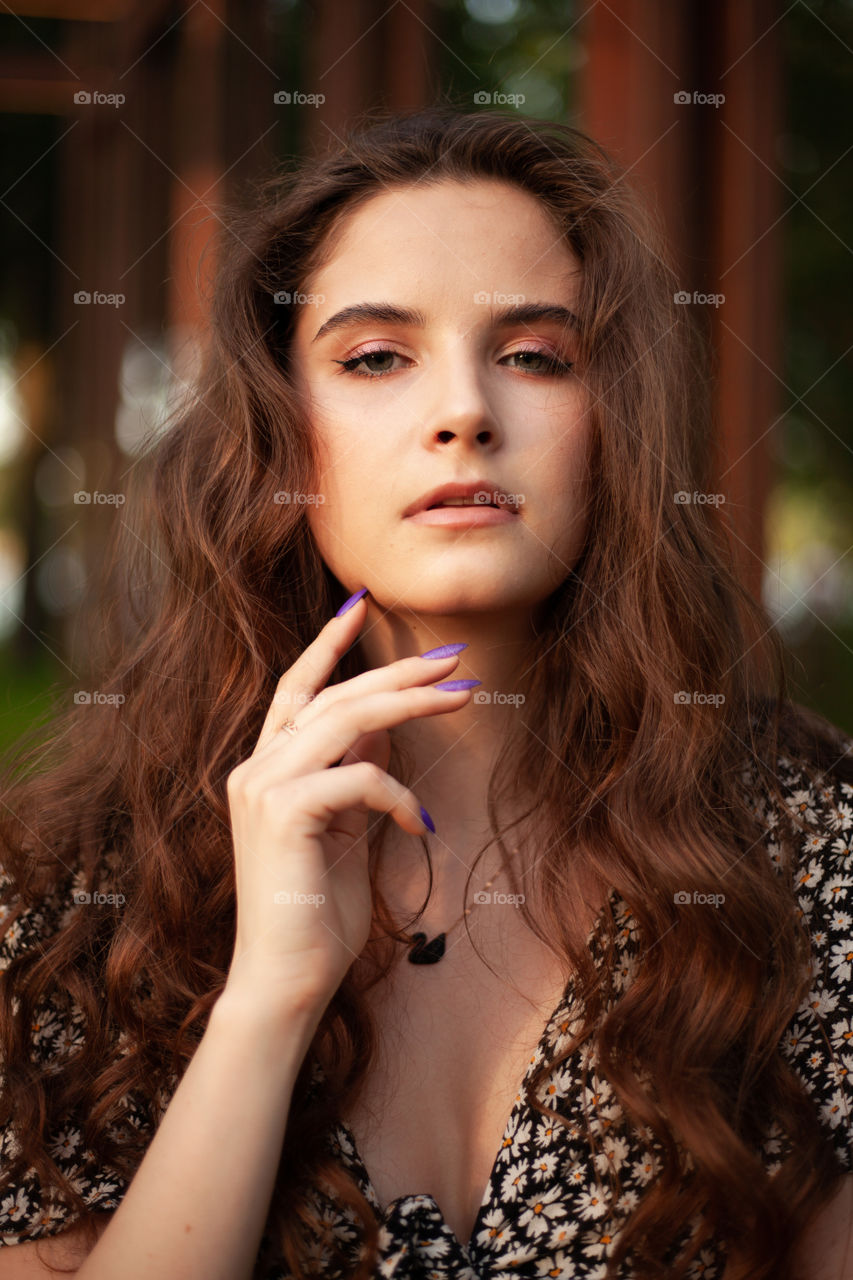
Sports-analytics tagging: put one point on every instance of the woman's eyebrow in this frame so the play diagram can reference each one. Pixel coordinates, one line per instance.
(388, 313)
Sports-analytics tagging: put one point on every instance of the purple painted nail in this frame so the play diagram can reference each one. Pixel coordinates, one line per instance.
(444, 651)
(347, 604)
(428, 820)
(452, 685)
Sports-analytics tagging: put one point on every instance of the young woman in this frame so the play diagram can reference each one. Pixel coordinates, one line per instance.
(450, 887)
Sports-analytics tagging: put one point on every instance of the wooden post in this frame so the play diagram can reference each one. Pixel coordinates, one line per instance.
(708, 165)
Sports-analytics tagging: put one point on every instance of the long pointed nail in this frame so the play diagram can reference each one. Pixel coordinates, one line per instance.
(444, 651)
(347, 604)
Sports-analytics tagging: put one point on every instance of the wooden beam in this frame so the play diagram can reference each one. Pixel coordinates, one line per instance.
(409, 62)
(198, 111)
(707, 164)
(342, 63)
(747, 328)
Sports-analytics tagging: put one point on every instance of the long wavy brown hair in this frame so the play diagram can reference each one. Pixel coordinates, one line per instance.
(211, 591)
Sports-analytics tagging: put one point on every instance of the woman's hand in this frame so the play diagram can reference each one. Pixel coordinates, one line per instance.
(304, 902)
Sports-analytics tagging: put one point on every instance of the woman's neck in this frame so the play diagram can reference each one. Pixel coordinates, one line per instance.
(452, 756)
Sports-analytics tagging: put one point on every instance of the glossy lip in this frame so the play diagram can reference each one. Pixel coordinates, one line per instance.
(462, 517)
(459, 489)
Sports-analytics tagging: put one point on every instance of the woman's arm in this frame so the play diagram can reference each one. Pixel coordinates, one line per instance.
(196, 1208)
(197, 1205)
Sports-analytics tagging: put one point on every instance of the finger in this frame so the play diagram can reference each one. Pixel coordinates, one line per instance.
(359, 786)
(404, 673)
(309, 673)
(324, 741)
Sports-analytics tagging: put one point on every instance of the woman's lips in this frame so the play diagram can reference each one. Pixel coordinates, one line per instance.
(460, 517)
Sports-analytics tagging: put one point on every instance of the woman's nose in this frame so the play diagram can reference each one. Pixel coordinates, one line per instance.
(457, 402)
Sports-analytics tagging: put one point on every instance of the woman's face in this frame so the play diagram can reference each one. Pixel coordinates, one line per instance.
(459, 393)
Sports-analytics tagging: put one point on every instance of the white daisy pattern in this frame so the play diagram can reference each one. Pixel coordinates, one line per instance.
(546, 1211)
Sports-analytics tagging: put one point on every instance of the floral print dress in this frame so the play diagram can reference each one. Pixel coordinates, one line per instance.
(544, 1210)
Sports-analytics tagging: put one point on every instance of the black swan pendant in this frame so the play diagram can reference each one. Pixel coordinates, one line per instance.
(423, 952)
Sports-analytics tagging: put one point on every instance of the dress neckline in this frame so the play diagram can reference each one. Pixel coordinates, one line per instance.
(409, 1200)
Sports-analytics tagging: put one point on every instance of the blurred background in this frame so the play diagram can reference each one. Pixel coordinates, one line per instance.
(126, 125)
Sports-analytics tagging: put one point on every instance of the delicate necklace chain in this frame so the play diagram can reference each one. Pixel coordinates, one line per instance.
(423, 952)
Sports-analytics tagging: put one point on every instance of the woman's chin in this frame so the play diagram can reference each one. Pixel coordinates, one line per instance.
(484, 598)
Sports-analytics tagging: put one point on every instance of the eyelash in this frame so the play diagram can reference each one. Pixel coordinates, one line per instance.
(554, 366)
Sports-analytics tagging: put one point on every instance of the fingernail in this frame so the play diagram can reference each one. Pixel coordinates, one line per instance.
(347, 604)
(444, 651)
(453, 685)
(428, 820)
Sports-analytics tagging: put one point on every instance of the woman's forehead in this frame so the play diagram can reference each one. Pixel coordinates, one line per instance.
(495, 219)
(431, 249)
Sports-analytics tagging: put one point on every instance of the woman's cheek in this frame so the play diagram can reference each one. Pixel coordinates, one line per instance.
(340, 528)
(322, 526)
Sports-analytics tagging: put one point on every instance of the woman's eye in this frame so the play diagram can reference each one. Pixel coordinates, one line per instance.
(551, 365)
(351, 365)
